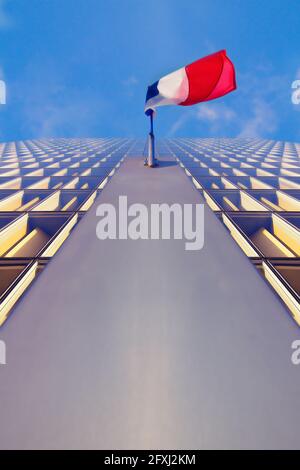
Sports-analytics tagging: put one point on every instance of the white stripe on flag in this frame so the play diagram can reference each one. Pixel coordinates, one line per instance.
(173, 89)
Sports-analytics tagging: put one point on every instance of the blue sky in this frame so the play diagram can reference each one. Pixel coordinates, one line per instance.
(81, 67)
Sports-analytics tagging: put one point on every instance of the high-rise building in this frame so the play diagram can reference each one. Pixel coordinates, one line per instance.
(45, 188)
(138, 342)
(252, 185)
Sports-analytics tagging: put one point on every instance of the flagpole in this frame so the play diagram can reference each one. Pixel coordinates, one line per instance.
(151, 161)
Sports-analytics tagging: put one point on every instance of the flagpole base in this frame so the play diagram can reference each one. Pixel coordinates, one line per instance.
(154, 164)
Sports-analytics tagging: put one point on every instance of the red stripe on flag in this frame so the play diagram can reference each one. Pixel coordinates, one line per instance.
(209, 78)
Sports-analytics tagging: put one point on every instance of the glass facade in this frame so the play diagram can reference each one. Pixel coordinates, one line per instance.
(46, 186)
(253, 186)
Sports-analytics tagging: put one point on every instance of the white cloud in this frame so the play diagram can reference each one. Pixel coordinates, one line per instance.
(65, 113)
(214, 113)
(129, 85)
(261, 94)
(253, 109)
(51, 107)
(216, 116)
(263, 120)
(5, 19)
(130, 81)
(179, 123)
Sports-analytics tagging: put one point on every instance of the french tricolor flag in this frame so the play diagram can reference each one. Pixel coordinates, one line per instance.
(203, 80)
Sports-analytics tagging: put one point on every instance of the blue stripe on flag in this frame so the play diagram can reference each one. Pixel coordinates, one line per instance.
(152, 91)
